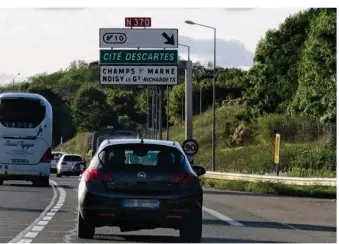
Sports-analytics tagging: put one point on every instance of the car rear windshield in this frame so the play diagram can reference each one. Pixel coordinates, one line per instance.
(140, 156)
(72, 158)
(21, 112)
(56, 156)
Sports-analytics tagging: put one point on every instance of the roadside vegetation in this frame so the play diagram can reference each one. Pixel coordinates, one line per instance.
(272, 188)
(291, 90)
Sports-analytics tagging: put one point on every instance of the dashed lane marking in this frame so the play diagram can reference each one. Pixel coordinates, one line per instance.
(28, 234)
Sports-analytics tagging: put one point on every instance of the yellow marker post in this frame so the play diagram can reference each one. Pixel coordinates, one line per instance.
(276, 152)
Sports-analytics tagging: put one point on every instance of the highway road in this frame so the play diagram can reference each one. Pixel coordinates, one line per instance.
(49, 215)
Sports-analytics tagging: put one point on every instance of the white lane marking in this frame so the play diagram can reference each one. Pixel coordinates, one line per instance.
(222, 217)
(31, 234)
(38, 228)
(38, 224)
(48, 218)
(42, 222)
(25, 231)
(25, 240)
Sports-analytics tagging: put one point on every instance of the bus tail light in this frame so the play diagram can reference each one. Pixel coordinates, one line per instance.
(46, 158)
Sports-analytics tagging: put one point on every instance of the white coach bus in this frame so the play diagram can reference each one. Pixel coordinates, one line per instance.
(26, 127)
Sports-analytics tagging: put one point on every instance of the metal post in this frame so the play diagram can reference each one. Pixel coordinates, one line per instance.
(156, 112)
(200, 97)
(213, 126)
(147, 111)
(153, 108)
(182, 108)
(188, 101)
(167, 115)
(160, 113)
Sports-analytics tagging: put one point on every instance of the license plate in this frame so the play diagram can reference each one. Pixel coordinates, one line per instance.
(19, 161)
(138, 203)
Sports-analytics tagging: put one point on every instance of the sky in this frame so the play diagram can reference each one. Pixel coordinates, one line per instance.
(35, 41)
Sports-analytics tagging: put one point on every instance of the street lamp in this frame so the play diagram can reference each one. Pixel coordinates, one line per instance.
(213, 105)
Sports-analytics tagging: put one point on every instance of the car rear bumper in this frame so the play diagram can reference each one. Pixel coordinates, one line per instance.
(108, 211)
(136, 218)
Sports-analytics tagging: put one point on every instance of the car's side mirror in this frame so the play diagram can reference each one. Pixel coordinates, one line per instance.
(199, 170)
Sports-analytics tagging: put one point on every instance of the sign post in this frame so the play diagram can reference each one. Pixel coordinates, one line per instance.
(190, 147)
(276, 152)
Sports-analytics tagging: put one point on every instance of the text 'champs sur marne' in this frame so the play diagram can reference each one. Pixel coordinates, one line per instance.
(133, 74)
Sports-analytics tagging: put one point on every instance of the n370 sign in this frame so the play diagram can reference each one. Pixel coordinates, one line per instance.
(138, 22)
(190, 147)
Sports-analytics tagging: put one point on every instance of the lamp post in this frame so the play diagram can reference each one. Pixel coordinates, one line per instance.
(214, 78)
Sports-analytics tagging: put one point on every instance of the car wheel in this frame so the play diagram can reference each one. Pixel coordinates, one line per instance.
(85, 229)
(42, 182)
(59, 175)
(191, 230)
(1, 182)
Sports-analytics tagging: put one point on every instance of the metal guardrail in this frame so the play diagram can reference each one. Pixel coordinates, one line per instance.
(282, 179)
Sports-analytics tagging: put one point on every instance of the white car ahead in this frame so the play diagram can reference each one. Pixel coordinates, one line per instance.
(55, 159)
(66, 163)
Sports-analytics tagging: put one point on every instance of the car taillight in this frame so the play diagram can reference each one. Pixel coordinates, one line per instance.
(186, 179)
(94, 175)
(46, 158)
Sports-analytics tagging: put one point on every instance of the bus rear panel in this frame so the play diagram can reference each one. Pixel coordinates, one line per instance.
(25, 137)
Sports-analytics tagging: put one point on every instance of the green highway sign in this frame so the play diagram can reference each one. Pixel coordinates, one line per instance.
(139, 57)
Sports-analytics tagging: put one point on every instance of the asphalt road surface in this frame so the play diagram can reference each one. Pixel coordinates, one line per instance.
(49, 215)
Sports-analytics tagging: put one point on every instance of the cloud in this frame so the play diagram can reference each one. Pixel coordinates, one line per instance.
(59, 9)
(238, 9)
(6, 78)
(229, 53)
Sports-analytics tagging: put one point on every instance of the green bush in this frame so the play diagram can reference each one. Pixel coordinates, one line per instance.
(272, 188)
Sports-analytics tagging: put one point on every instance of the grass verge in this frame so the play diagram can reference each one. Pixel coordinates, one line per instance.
(315, 191)
(304, 148)
(78, 145)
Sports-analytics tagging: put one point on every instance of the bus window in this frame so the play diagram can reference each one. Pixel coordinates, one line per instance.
(29, 113)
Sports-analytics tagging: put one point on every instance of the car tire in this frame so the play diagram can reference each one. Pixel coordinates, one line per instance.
(42, 182)
(85, 229)
(59, 175)
(191, 230)
(1, 182)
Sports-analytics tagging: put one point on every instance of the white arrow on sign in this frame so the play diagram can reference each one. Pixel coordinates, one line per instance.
(134, 38)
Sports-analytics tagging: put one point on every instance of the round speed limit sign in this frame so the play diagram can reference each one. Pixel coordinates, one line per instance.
(190, 147)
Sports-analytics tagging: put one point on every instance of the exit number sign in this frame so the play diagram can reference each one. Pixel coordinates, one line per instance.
(137, 22)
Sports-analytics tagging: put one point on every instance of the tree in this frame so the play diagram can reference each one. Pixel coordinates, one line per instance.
(274, 76)
(123, 103)
(316, 93)
(90, 110)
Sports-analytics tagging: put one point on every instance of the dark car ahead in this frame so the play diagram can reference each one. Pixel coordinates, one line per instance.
(141, 184)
